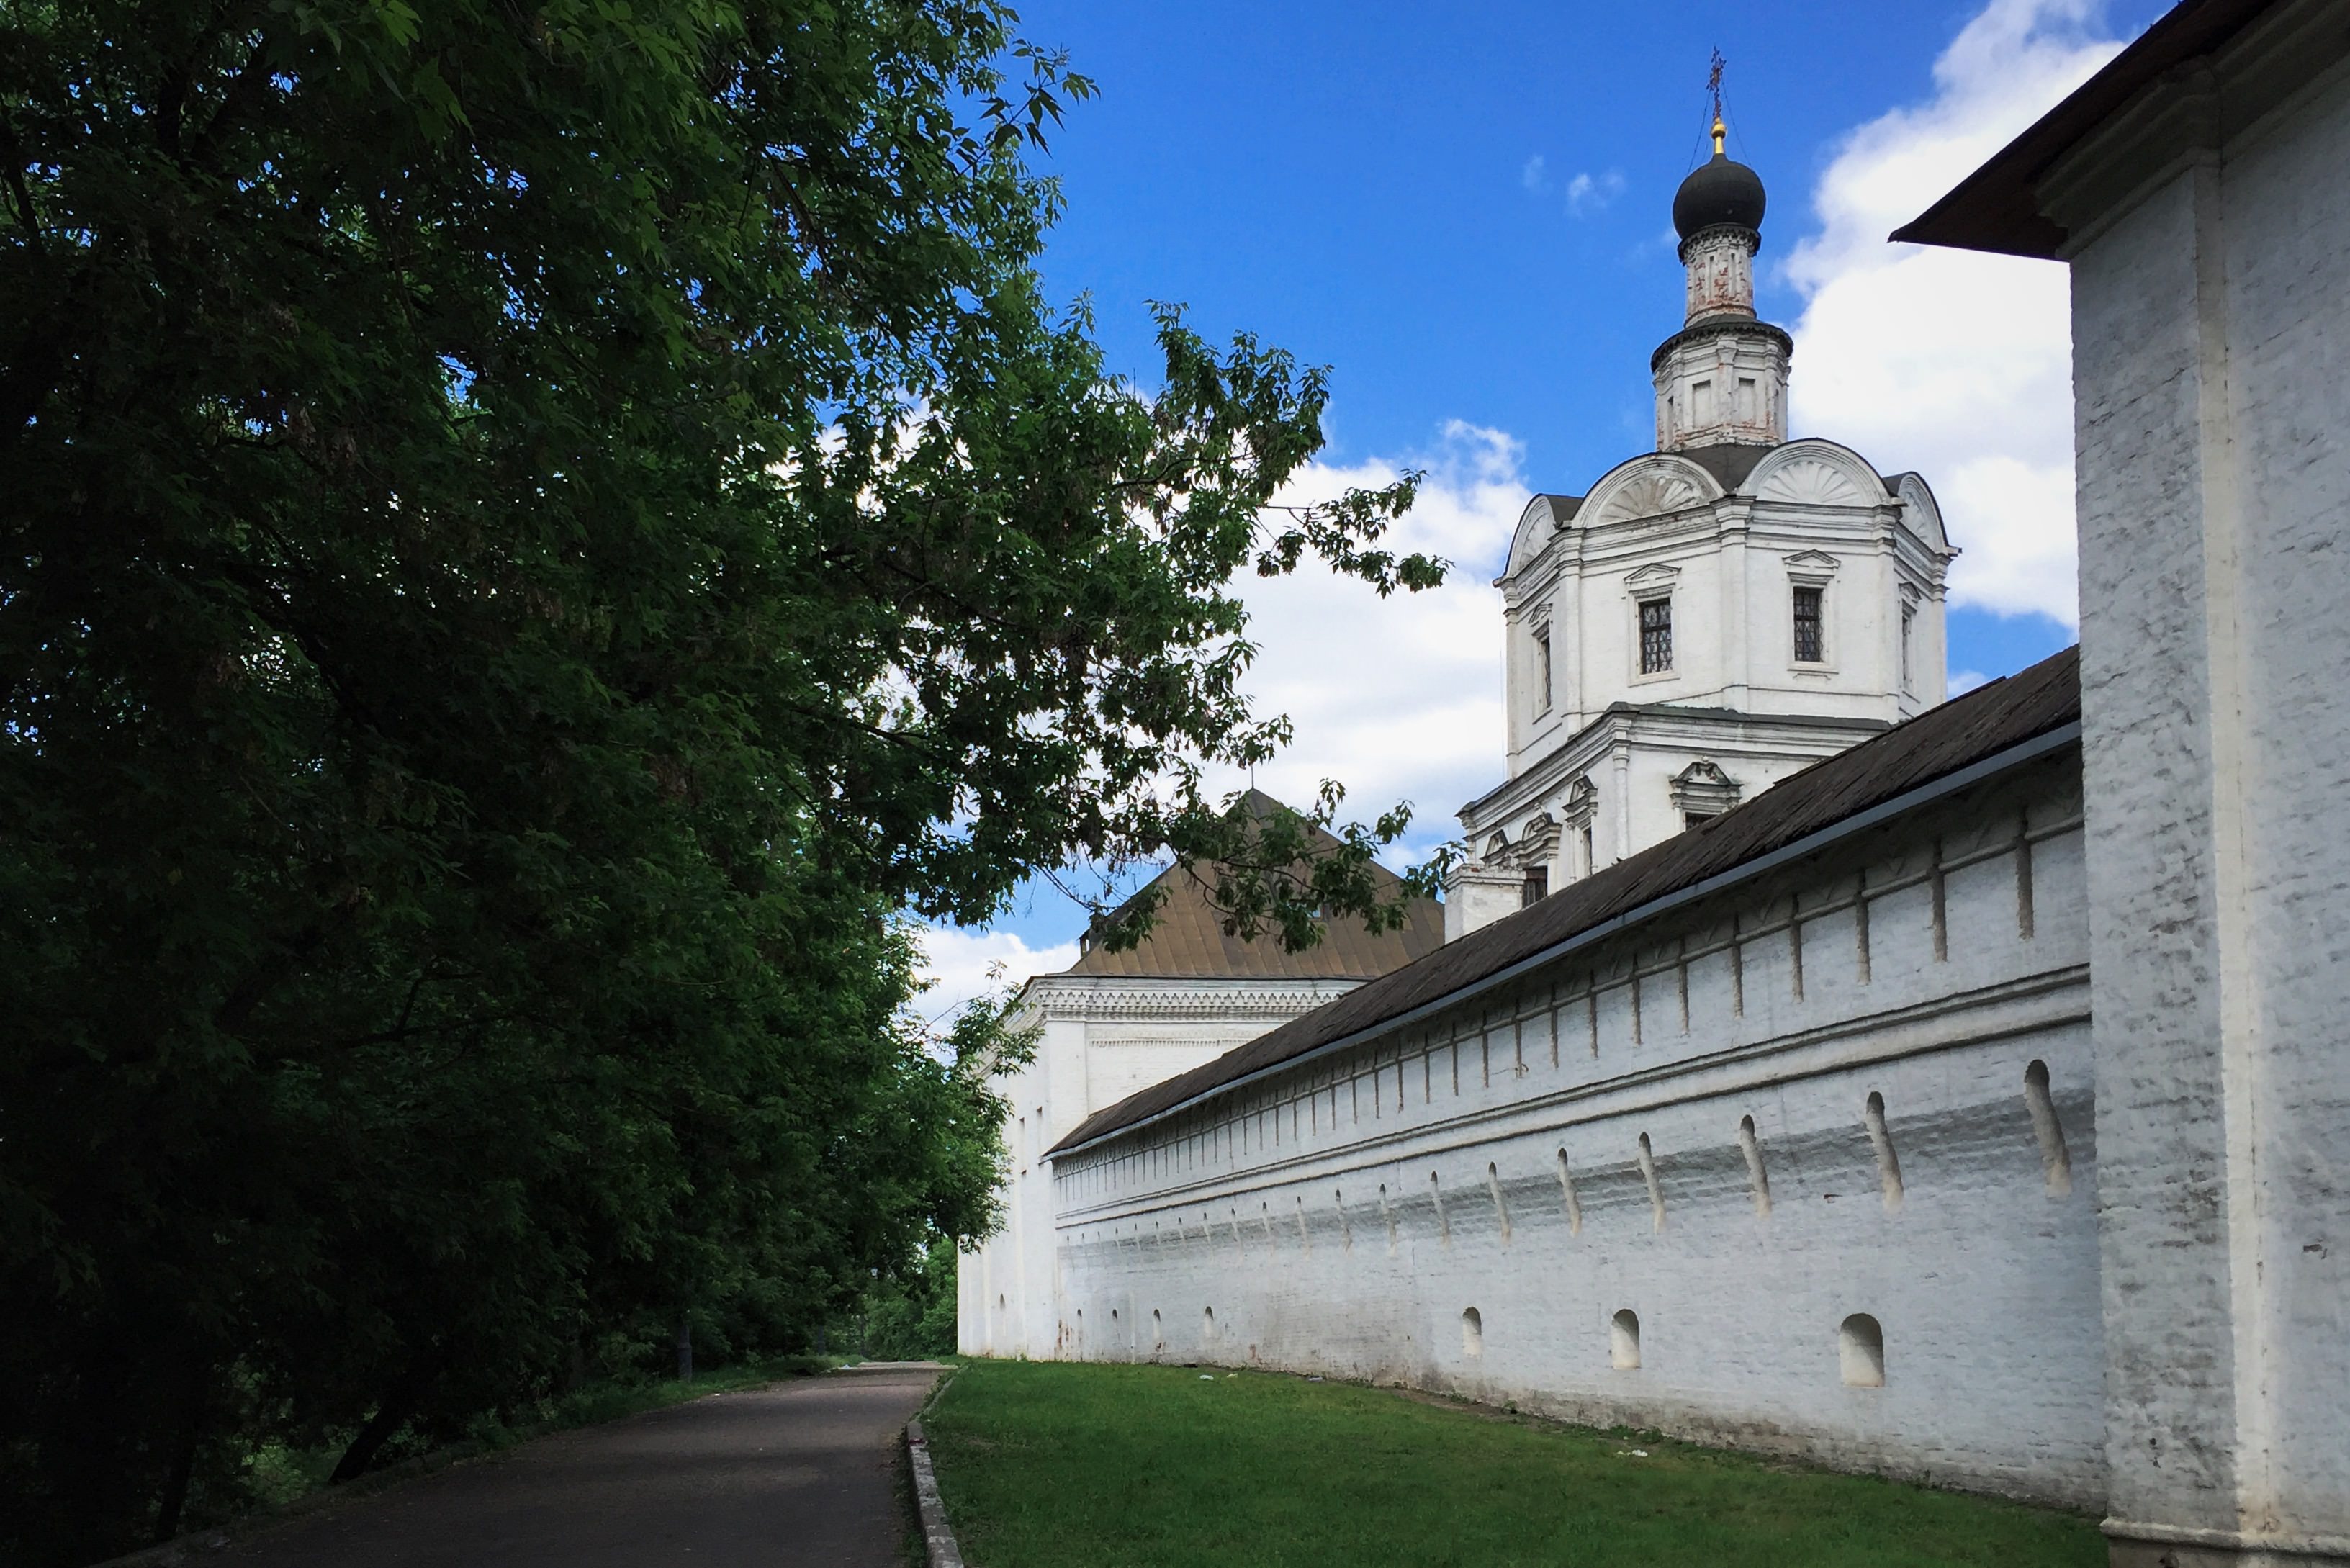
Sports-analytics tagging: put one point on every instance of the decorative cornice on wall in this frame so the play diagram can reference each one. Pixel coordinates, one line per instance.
(1057, 996)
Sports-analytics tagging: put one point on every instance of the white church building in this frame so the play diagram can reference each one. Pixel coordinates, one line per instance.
(1711, 616)
(1957, 1091)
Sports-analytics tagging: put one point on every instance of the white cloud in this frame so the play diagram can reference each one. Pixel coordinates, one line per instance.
(1397, 698)
(1531, 176)
(1956, 364)
(962, 964)
(1962, 682)
(1587, 194)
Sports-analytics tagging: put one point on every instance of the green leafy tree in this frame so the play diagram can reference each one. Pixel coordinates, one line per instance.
(535, 533)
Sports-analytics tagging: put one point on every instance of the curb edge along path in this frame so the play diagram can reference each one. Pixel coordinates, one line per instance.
(938, 1536)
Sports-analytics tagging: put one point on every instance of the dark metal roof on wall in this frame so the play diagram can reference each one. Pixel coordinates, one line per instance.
(1942, 741)
(1996, 208)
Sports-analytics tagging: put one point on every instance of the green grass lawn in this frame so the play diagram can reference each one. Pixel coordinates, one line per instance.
(1046, 1465)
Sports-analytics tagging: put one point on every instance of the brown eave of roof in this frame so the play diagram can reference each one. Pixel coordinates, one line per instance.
(1995, 209)
(1967, 730)
(1187, 939)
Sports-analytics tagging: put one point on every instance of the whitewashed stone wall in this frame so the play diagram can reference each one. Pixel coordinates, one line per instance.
(1097, 1039)
(1577, 1147)
(2211, 330)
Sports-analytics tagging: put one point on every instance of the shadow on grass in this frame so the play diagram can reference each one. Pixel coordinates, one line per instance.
(1052, 1465)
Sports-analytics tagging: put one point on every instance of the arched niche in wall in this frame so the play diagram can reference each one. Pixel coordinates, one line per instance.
(1860, 1351)
(1624, 1340)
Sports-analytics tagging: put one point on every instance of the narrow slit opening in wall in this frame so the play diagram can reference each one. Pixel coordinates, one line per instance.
(1860, 1352)
(1737, 971)
(1567, 1197)
(1796, 944)
(1861, 957)
(1500, 1207)
(2055, 1159)
(2025, 917)
(1888, 1163)
(1757, 1178)
(1937, 882)
(1436, 1196)
(1158, 1331)
(1656, 1190)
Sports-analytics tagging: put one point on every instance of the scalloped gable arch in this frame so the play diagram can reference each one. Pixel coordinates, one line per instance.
(1922, 514)
(1654, 484)
(1545, 516)
(1814, 471)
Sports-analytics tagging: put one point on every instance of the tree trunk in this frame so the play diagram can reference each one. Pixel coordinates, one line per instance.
(183, 1463)
(398, 1404)
(685, 1350)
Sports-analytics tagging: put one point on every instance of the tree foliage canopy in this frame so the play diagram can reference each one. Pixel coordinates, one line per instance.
(535, 531)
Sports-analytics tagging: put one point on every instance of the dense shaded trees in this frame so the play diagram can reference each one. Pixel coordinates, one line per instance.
(534, 534)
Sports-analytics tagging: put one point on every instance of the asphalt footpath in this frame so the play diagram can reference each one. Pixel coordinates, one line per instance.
(805, 1473)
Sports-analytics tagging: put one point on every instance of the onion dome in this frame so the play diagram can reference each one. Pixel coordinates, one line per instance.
(1720, 191)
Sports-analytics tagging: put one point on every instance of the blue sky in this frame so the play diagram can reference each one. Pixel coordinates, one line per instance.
(1463, 211)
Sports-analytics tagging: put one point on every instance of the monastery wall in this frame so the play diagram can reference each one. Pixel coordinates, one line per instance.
(1660, 1179)
(2210, 323)
(1097, 1039)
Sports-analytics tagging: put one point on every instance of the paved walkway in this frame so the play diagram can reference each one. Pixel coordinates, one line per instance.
(802, 1474)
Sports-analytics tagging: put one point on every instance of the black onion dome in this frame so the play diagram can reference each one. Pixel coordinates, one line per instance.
(1723, 191)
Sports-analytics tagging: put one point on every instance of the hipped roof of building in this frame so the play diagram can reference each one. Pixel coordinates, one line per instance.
(1188, 940)
(2042, 704)
(1997, 207)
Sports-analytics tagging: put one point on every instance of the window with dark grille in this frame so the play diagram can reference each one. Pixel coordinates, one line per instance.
(1656, 636)
(1808, 646)
(1537, 887)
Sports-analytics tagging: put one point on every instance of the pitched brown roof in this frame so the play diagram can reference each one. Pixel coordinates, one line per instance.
(1187, 941)
(1945, 745)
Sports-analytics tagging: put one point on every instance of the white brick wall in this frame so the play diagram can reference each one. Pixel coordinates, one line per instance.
(1984, 1281)
(2211, 308)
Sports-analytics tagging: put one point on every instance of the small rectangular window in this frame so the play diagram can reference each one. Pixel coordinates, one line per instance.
(1585, 863)
(1809, 646)
(1541, 670)
(1695, 819)
(1538, 886)
(1909, 614)
(1656, 636)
